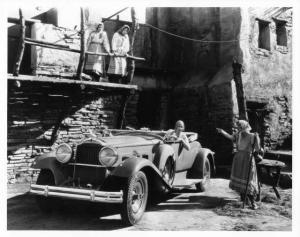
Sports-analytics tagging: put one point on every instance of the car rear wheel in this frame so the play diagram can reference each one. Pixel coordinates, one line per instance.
(46, 204)
(204, 184)
(135, 198)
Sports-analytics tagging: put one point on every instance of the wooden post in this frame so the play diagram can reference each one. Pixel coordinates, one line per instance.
(237, 76)
(82, 45)
(125, 98)
(131, 62)
(21, 46)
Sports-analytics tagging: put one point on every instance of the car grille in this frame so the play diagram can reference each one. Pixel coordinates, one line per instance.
(88, 153)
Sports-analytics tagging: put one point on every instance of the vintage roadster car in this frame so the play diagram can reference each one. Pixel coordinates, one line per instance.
(123, 167)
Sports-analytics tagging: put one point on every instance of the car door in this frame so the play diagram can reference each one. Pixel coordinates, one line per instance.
(184, 158)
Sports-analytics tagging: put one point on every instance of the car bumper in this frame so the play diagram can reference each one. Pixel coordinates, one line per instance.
(76, 193)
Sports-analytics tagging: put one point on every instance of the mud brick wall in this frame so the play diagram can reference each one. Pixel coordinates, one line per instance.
(278, 124)
(134, 116)
(41, 116)
(271, 76)
(203, 109)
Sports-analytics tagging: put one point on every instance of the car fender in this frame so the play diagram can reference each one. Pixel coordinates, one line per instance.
(196, 172)
(131, 166)
(48, 161)
(161, 153)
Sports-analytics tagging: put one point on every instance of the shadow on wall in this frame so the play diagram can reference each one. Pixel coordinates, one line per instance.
(36, 113)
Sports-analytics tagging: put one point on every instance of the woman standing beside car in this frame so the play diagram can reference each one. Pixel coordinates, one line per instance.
(241, 174)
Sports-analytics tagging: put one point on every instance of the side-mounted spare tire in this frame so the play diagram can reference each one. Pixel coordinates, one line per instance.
(205, 182)
(135, 195)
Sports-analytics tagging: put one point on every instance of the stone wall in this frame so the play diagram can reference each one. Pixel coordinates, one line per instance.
(270, 74)
(41, 116)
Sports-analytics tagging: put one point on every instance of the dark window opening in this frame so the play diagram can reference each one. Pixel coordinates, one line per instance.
(281, 35)
(264, 35)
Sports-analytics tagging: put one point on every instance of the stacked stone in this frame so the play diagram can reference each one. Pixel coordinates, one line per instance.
(40, 118)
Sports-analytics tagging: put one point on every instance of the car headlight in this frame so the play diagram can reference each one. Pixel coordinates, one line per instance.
(63, 153)
(108, 156)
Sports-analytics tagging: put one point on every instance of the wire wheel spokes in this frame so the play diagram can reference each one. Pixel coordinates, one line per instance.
(138, 194)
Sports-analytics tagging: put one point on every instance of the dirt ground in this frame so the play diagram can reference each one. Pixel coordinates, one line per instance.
(218, 208)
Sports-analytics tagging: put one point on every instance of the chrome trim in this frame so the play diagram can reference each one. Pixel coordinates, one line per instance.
(89, 165)
(113, 149)
(71, 154)
(76, 193)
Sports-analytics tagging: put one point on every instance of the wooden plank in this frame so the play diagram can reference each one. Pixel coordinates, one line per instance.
(82, 46)
(107, 85)
(21, 46)
(45, 42)
(17, 21)
(45, 45)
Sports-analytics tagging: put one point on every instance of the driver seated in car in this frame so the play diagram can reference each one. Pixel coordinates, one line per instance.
(177, 135)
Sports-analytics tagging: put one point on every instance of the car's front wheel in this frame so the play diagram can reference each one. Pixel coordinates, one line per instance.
(135, 195)
(204, 184)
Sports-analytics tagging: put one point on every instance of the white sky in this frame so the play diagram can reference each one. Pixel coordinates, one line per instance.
(71, 17)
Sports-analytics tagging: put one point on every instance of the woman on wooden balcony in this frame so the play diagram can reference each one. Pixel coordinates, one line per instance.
(98, 43)
(120, 46)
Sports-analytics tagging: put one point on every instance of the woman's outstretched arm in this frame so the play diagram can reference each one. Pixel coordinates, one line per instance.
(225, 134)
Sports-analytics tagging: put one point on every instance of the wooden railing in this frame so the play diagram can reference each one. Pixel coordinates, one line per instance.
(24, 40)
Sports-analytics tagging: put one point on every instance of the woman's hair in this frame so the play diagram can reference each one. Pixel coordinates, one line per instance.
(100, 24)
(243, 125)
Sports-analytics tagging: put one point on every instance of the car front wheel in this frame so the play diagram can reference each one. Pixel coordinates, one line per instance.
(204, 184)
(135, 195)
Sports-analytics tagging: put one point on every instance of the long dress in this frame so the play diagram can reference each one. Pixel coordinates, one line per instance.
(98, 42)
(119, 45)
(240, 165)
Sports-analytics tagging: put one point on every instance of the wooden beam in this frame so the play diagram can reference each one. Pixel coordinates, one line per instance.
(17, 21)
(82, 45)
(52, 46)
(131, 63)
(21, 46)
(107, 85)
(237, 76)
(46, 42)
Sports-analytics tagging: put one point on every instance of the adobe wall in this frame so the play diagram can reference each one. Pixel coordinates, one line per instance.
(271, 76)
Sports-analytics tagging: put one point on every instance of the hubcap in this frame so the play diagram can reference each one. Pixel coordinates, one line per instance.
(138, 193)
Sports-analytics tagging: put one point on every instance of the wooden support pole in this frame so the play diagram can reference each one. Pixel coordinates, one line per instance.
(21, 46)
(82, 45)
(131, 63)
(124, 101)
(237, 76)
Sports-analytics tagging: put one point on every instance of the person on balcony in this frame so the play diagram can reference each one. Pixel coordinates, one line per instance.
(98, 43)
(120, 46)
(242, 173)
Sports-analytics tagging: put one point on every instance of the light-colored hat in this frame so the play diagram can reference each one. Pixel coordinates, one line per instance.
(243, 126)
(124, 27)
